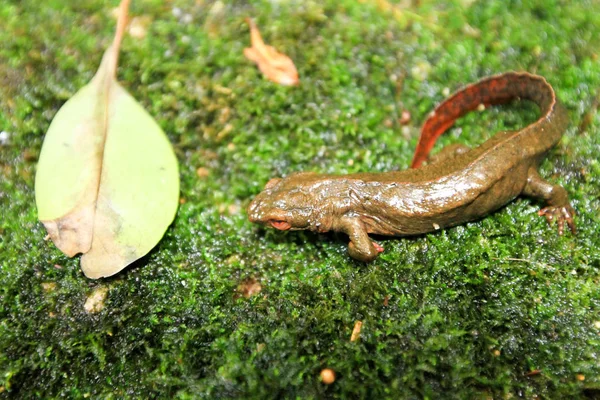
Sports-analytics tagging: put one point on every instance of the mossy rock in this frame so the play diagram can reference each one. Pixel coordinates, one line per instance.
(498, 308)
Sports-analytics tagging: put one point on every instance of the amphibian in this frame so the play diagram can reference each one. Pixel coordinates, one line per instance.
(461, 185)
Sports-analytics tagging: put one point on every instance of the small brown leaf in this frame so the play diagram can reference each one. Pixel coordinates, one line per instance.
(274, 65)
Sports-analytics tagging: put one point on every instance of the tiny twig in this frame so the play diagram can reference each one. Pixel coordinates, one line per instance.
(356, 331)
(533, 372)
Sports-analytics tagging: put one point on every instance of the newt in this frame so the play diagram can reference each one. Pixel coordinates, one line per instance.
(462, 184)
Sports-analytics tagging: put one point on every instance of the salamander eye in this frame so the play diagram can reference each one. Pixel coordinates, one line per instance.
(281, 225)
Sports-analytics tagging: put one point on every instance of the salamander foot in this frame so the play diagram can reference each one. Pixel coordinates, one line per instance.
(562, 215)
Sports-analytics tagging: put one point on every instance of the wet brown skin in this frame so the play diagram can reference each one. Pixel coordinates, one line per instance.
(461, 185)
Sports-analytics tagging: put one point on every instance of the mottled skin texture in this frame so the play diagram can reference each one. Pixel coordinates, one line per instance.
(460, 185)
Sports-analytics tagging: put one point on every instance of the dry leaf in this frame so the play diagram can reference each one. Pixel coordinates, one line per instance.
(107, 183)
(274, 65)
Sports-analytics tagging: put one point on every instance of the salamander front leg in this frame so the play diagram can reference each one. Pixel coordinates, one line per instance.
(360, 247)
(558, 207)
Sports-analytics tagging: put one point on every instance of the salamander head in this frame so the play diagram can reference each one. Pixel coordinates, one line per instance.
(288, 204)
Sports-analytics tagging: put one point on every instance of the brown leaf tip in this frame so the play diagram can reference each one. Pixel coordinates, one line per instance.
(274, 65)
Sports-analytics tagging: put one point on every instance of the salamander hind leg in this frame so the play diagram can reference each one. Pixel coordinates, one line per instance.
(558, 207)
(361, 247)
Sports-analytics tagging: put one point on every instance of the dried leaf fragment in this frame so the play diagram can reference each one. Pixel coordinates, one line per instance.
(274, 65)
(356, 331)
(249, 288)
(94, 303)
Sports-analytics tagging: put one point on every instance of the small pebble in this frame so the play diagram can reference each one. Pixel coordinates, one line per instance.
(327, 376)
(404, 117)
(4, 137)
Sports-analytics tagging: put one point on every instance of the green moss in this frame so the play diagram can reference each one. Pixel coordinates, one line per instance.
(471, 312)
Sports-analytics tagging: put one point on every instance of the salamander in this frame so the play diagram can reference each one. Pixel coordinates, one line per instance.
(462, 184)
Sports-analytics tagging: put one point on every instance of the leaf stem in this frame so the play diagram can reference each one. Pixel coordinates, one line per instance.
(121, 24)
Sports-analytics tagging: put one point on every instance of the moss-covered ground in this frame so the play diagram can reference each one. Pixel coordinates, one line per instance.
(499, 308)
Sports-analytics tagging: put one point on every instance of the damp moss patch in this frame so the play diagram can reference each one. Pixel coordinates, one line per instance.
(498, 308)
